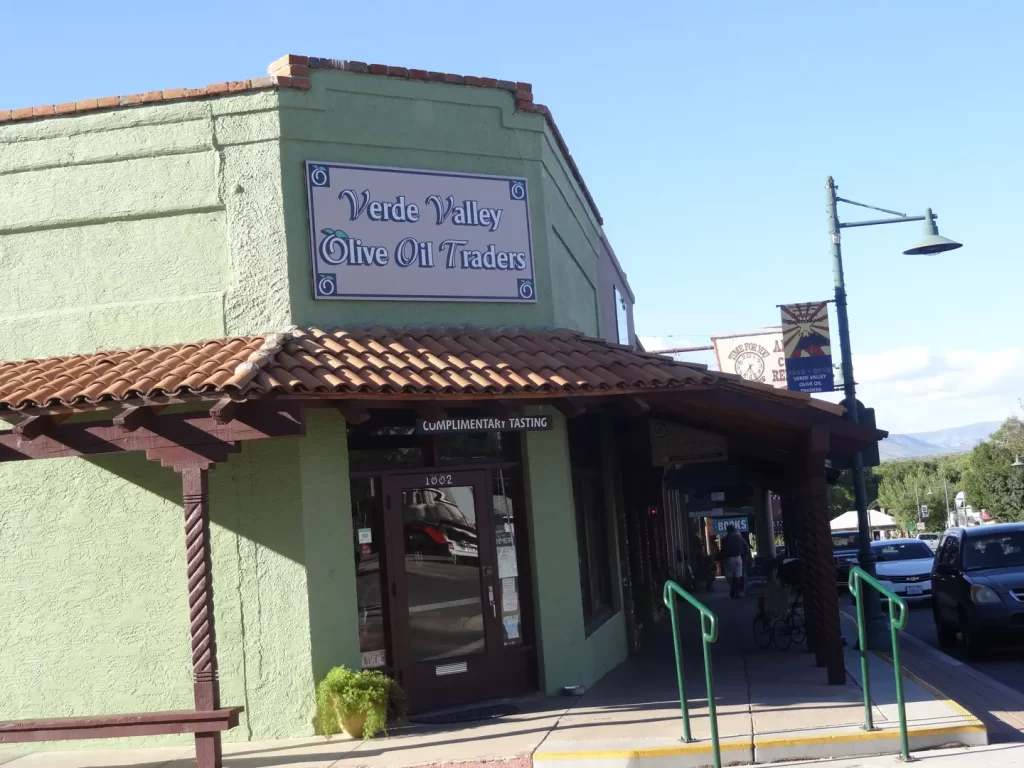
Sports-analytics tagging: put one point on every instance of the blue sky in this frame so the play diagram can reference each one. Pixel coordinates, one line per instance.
(705, 132)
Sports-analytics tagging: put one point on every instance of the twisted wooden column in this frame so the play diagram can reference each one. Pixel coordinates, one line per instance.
(818, 533)
(206, 687)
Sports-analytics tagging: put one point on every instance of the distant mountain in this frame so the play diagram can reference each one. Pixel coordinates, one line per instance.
(938, 443)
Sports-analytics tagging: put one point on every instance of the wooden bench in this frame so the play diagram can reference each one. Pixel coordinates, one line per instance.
(114, 726)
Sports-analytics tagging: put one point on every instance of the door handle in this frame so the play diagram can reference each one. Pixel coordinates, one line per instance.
(490, 597)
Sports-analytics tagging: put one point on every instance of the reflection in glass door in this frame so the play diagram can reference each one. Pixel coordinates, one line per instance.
(446, 600)
(442, 569)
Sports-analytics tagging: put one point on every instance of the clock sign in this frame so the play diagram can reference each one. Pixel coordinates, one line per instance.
(749, 361)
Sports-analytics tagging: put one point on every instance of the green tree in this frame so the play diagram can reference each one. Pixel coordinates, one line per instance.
(990, 481)
(907, 485)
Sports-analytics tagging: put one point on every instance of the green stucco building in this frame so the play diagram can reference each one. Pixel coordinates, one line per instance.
(182, 216)
(401, 278)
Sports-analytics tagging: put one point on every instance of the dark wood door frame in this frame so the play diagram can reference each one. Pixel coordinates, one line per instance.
(498, 670)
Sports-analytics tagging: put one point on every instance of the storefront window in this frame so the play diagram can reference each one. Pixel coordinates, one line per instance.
(368, 538)
(476, 446)
(621, 318)
(384, 446)
(592, 525)
(508, 557)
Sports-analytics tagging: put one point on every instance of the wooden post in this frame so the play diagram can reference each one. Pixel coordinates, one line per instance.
(206, 686)
(828, 634)
(794, 512)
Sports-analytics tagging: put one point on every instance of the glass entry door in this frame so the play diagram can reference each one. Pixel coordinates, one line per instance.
(445, 608)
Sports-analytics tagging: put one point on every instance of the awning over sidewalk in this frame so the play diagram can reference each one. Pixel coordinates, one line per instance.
(452, 366)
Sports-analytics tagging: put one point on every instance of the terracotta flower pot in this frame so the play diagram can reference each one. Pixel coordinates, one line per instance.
(353, 725)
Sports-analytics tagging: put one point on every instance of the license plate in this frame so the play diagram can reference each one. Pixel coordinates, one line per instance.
(913, 589)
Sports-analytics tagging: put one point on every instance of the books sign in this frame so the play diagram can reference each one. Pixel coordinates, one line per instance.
(395, 233)
(808, 349)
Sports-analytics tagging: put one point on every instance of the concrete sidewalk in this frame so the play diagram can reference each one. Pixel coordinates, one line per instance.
(772, 706)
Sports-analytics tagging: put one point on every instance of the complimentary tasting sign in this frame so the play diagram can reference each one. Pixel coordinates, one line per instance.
(394, 233)
(484, 424)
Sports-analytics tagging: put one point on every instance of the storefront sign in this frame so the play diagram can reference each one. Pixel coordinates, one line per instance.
(485, 424)
(674, 444)
(394, 233)
(720, 527)
(808, 350)
(755, 356)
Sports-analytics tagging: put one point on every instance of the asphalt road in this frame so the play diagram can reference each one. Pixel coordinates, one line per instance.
(1005, 665)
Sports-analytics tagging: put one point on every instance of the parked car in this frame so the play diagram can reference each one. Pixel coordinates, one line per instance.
(978, 585)
(931, 539)
(905, 567)
(844, 552)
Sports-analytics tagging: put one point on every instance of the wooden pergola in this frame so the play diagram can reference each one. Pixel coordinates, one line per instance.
(191, 444)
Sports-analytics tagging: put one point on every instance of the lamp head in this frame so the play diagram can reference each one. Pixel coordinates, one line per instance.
(932, 242)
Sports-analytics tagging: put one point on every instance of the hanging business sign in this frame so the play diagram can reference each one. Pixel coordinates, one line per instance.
(808, 349)
(484, 424)
(674, 444)
(721, 527)
(755, 356)
(400, 234)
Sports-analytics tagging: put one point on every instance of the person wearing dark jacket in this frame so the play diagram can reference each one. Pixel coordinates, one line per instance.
(734, 553)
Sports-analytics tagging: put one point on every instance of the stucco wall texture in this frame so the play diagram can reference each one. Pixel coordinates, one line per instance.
(183, 221)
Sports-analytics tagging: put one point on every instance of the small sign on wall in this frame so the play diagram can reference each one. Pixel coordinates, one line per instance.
(674, 444)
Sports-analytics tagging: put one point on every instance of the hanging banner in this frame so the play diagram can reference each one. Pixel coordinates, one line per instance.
(754, 356)
(808, 349)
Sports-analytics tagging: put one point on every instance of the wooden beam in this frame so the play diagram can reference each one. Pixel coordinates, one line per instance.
(354, 413)
(166, 431)
(636, 406)
(134, 416)
(226, 410)
(34, 426)
(500, 409)
(569, 407)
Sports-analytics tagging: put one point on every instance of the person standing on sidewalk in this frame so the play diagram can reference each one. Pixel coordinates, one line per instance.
(734, 553)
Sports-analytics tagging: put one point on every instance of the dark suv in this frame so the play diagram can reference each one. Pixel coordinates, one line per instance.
(844, 551)
(978, 585)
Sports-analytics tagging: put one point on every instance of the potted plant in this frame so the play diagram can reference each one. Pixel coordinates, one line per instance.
(356, 702)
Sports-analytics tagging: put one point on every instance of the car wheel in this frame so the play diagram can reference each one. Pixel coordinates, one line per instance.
(973, 641)
(946, 634)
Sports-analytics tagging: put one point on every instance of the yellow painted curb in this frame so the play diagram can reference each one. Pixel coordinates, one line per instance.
(891, 733)
(967, 715)
(704, 747)
(681, 749)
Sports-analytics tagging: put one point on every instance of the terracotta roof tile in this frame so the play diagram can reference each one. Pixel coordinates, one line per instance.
(435, 362)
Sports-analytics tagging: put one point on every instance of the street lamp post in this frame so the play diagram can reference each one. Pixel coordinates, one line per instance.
(933, 242)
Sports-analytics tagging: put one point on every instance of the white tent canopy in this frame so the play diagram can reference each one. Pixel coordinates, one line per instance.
(848, 521)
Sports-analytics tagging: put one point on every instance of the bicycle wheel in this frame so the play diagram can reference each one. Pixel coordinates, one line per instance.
(780, 634)
(797, 628)
(762, 632)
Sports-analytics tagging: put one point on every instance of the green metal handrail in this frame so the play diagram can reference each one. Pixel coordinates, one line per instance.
(709, 634)
(896, 625)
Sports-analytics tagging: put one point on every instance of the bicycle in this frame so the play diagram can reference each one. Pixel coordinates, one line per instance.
(779, 620)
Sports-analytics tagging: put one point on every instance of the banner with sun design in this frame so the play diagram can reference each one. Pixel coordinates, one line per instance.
(808, 350)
